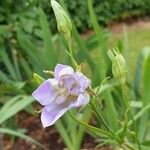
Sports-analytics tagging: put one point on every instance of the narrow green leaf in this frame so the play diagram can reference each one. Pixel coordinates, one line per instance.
(16, 107)
(49, 52)
(98, 32)
(4, 78)
(26, 67)
(145, 98)
(8, 104)
(60, 127)
(16, 65)
(137, 116)
(8, 63)
(31, 50)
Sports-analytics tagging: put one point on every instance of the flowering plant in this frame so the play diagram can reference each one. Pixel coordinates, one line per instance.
(70, 88)
(59, 94)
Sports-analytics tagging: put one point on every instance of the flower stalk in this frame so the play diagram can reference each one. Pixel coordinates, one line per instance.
(64, 26)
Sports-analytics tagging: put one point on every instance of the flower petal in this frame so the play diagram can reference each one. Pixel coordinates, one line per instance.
(45, 93)
(67, 81)
(61, 70)
(52, 112)
(82, 80)
(82, 100)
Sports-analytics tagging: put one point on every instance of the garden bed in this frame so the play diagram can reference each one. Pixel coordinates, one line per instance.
(49, 137)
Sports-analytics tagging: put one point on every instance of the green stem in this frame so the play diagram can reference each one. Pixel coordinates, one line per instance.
(91, 128)
(100, 116)
(68, 39)
(129, 146)
(137, 116)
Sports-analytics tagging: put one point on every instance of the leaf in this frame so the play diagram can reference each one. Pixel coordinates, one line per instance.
(60, 127)
(14, 106)
(106, 86)
(137, 116)
(145, 52)
(92, 129)
(143, 126)
(146, 143)
(8, 104)
(26, 67)
(4, 77)
(8, 63)
(49, 52)
(30, 49)
(98, 31)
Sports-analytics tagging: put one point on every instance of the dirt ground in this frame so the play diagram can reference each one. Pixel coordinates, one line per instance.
(49, 137)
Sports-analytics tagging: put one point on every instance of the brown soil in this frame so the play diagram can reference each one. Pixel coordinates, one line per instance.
(49, 137)
(117, 27)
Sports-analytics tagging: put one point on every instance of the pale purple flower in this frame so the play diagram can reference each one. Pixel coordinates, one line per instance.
(59, 94)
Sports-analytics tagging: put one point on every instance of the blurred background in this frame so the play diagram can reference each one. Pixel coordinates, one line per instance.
(30, 42)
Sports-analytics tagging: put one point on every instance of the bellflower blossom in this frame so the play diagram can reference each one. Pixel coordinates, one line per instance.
(59, 94)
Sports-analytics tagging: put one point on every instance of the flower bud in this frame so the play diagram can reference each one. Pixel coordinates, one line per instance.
(38, 79)
(63, 21)
(119, 68)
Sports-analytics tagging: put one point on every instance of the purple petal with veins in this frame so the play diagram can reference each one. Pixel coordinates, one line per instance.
(61, 70)
(65, 91)
(45, 93)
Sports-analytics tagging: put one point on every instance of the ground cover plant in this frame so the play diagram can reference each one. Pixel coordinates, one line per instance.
(119, 105)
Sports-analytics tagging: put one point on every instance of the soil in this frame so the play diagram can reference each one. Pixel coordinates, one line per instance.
(49, 137)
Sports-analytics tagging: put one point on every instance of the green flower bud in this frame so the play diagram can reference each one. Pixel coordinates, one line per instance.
(119, 68)
(38, 79)
(63, 21)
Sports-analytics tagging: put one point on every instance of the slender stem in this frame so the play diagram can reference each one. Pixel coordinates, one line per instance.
(90, 128)
(129, 146)
(97, 111)
(100, 116)
(137, 116)
(68, 39)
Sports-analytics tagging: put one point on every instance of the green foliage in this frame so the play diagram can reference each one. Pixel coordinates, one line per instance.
(27, 45)
(106, 10)
(13, 106)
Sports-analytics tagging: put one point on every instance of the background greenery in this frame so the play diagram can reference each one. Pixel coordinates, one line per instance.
(29, 43)
(106, 10)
